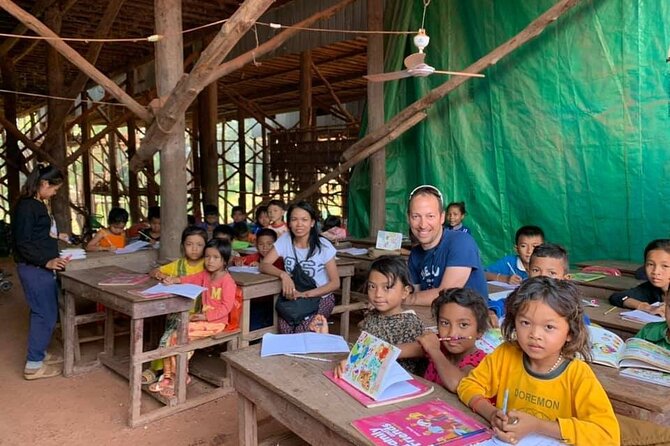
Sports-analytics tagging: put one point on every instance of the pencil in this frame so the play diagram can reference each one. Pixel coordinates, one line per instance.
(610, 310)
(511, 269)
(505, 400)
(454, 338)
(321, 324)
(313, 358)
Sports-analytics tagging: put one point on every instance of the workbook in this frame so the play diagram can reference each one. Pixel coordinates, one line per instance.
(302, 343)
(132, 247)
(389, 241)
(432, 423)
(188, 290)
(586, 277)
(610, 350)
(490, 340)
(641, 317)
(124, 279)
(371, 368)
(649, 376)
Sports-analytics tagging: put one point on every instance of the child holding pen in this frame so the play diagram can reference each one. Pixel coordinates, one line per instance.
(112, 237)
(513, 268)
(546, 389)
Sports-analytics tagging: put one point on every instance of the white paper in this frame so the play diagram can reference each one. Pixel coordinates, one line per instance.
(396, 384)
(641, 316)
(302, 343)
(500, 295)
(502, 284)
(73, 253)
(354, 251)
(389, 240)
(132, 247)
(244, 269)
(181, 289)
(528, 440)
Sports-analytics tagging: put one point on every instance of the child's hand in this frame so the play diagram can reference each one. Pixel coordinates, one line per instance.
(157, 274)
(255, 264)
(498, 420)
(652, 309)
(197, 317)
(287, 286)
(169, 280)
(238, 261)
(517, 425)
(493, 319)
(111, 248)
(429, 341)
(339, 370)
(514, 279)
(319, 324)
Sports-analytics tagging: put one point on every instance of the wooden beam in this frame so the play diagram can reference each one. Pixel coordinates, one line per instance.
(340, 106)
(415, 112)
(376, 118)
(253, 110)
(306, 109)
(191, 85)
(242, 163)
(13, 155)
(74, 57)
(86, 163)
(209, 148)
(8, 43)
(131, 144)
(98, 136)
(113, 171)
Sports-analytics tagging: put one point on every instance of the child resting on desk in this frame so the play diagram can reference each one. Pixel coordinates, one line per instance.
(265, 240)
(536, 374)
(655, 290)
(218, 300)
(112, 237)
(513, 268)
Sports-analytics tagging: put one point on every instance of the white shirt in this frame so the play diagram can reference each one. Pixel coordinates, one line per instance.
(315, 266)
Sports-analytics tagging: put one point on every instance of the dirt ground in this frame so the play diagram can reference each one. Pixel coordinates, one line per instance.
(91, 408)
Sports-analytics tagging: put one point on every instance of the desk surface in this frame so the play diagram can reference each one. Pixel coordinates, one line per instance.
(625, 266)
(613, 283)
(141, 261)
(286, 386)
(612, 320)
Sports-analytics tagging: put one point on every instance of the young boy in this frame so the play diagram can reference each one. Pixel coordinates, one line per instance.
(114, 236)
(225, 232)
(514, 268)
(241, 239)
(657, 332)
(152, 234)
(211, 220)
(265, 240)
(239, 216)
(276, 210)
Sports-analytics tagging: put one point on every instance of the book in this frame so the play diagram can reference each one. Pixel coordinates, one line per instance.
(649, 376)
(124, 279)
(244, 269)
(180, 289)
(406, 389)
(132, 247)
(73, 253)
(586, 277)
(431, 423)
(531, 439)
(500, 284)
(302, 343)
(610, 350)
(500, 295)
(490, 340)
(641, 317)
(371, 366)
(144, 294)
(389, 241)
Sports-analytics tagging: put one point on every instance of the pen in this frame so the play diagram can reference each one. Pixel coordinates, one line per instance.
(313, 358)
(321, 324)
(610, 310)
(505, 400)
(511, 269)
(454, 338)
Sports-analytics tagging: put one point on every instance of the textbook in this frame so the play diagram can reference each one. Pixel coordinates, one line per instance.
(302, 343)
(371, 368)
(180, 289)
(389, 241)
(586, 277)
(649, 376)
(432, 423)
(124, 279)
(406, 389)
(610, 350)
(490, 340)
(641, 317)
(132, 247)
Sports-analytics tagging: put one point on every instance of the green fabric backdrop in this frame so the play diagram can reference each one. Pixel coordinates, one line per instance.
(569, 132)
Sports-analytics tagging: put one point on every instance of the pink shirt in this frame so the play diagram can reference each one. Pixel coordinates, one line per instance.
(218, 299)
(473, 359)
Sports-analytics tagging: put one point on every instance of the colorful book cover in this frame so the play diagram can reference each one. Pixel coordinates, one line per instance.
(432, 423)
(609, 349)
(416, 389)
(368, 364)
(649, 376)
(490, 340)
(124, 279)
(389, 241)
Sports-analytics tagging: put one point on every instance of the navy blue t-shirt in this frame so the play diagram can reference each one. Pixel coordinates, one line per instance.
(456, 248)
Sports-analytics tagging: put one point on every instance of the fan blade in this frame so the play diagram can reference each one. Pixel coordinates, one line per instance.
(383, 77)
(414, 59)
(459, 73)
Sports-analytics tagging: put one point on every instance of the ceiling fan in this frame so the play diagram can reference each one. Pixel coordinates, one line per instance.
(415, 64)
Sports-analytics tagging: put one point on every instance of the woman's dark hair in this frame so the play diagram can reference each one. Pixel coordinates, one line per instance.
(332, 221)
(223, 229)
(266, 232)
(193, 230)
(465, 297)
(117, 215)
(260, 210)
(223, 246)
(48, 173)
(394, 268)
(241, 229)
(457, 204)
(314, 237)
(153, 212)
(661, 243)
(563, 297)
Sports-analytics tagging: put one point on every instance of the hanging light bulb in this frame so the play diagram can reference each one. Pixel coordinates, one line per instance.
(421, 40)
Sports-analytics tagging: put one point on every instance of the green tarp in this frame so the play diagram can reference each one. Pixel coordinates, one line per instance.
(569, 132)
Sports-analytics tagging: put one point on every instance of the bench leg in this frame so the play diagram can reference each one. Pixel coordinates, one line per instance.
(247, 422)
(69, 330)
(135, 376)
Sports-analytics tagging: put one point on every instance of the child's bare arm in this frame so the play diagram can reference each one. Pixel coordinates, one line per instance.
(410, 350)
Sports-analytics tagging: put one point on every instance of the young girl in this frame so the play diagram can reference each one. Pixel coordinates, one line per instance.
(539, 384)
(388, 286)
(655, 289)
(262, 219)
(193, 241)
(316, 256)
(218, 301)
(462, 317)
(332, 229)
(276, 214)
(455, 215)
(114, 236)
(152, 234)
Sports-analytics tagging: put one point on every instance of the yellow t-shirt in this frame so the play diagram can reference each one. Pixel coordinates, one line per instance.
(573, 396)
(181, 267)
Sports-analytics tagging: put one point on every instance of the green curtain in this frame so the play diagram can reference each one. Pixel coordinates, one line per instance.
(569, 132)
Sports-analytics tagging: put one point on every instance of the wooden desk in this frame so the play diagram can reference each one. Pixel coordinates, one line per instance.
(612, 320)
(141, 261)
(84, 284)
(371, 243)
(297, 394)
(260, 285)
(603, 288)
(633, 398)
(626, 267)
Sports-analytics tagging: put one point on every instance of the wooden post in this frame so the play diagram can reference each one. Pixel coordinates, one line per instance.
(169, 69)
(12, 152)
(209, 165)
(242, 166)
(86, 164)
(196, 193)
(306, 112)
(266, 164)
(133, 185)
(376, 117)
(60, 205)
(113, 171)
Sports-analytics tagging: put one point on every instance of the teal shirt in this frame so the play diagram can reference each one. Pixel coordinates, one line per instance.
(655, 332)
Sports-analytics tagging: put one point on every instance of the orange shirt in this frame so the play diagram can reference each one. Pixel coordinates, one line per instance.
(108, 240)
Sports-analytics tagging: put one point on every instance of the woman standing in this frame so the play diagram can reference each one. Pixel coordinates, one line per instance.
(303, 249)
(36, 255)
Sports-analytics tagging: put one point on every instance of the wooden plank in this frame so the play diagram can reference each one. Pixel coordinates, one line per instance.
(247, 422)
(209, 154)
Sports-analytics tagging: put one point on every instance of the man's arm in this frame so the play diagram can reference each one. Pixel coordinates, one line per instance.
(454, 277)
